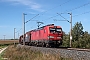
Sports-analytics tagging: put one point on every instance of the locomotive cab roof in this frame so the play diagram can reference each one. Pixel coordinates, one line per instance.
(43, 27)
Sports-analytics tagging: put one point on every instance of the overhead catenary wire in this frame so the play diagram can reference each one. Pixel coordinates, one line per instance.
(81, 13)
(55, 7)
(32, 18)
(18, 30)
(78, 7)
(66, 10)
(61, 16)
(52, 9)
(73, 9)
(50, 17)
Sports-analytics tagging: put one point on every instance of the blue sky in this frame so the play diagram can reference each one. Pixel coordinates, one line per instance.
(11, 14)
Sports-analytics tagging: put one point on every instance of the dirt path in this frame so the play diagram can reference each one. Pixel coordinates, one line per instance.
(1, 50)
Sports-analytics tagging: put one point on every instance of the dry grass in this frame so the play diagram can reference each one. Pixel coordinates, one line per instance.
(13, 53)
(2, 42)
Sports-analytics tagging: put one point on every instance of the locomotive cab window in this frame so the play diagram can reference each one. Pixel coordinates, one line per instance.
(57, 30)
(52, 30)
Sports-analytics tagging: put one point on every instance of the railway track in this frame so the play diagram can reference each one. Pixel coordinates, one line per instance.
(74, 53)
(78, 49)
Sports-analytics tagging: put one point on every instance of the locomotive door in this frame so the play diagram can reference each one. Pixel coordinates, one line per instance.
(30, 38)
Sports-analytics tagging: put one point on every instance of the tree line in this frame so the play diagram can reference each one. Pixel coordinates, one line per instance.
(80, 38)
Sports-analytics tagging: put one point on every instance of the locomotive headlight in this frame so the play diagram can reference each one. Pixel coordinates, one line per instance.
(51, 36)
(58, 37)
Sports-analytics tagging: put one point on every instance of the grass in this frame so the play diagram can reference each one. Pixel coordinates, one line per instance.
(2, 46)
(1, 55)
(14, 53)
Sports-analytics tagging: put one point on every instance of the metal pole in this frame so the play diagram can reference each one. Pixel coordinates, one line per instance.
(18, 35)
(70, 29)
(24, 28)
(14, 36)
(14, 33)
(4, 36)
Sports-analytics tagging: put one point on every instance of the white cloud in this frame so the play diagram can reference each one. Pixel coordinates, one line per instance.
(29, 3)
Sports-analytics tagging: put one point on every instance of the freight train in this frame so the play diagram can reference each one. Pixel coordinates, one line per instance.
(48, 36)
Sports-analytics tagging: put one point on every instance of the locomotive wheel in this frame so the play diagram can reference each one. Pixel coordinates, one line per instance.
(30, 44)
(43, 44)
(36, 44)
(47, 45)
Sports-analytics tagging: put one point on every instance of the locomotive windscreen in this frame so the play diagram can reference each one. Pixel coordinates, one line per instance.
(55, 30)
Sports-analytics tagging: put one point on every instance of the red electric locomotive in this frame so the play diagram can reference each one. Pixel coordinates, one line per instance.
(48, 36)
